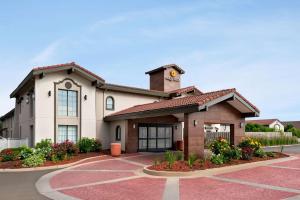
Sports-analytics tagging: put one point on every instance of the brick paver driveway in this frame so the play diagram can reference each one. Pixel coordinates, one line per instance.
(122, 178)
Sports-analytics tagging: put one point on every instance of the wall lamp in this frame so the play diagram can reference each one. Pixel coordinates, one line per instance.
(133, 126)
(49, 93)
(242, 124)
(195, 122)
(85, 97)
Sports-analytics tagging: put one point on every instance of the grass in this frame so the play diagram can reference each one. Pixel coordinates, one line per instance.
(274, 141)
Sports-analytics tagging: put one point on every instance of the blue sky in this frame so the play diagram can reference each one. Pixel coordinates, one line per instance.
(251, 45)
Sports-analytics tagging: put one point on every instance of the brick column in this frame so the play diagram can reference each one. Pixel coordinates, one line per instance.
(193, 135)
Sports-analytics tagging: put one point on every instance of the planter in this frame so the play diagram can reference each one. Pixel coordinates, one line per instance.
(115, 149)
(179, 145)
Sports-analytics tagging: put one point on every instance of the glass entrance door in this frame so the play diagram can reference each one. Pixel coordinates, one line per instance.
(155, 137)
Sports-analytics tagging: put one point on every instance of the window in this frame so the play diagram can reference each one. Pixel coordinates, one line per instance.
(110, 103)
(67, 132)
(118, 133)
(67, 103)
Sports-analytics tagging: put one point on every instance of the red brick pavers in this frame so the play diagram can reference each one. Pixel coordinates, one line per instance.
(209, 189)
(109, 165)
(145, 159)
(268, 175)
(292, 164)
(135, 189)
(74, 178)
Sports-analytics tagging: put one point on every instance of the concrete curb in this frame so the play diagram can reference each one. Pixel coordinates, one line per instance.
(49, 167)
(216, 171)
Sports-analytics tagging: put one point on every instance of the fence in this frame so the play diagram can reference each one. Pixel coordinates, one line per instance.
(268, 134)
(211, 136)
(12, 143)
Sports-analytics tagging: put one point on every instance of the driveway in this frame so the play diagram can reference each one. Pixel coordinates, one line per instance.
(21, 185)
(122, 178)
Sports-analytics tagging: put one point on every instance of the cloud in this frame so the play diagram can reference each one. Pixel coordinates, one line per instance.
(46, 54)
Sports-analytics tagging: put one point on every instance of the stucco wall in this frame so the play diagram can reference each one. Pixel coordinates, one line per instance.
(276, 125)
(113, 126)
(45, 105)
(122, 101)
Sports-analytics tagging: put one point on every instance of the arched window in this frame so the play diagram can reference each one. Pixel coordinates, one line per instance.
(118, 133)
(110, 103)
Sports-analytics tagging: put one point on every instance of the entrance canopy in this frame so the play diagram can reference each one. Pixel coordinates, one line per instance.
(189, 104)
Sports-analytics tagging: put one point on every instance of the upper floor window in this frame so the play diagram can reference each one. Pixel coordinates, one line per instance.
(110, 103)
(67, 103)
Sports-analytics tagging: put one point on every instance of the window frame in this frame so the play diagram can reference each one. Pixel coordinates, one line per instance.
(67, 132)
(67, 103)
(113, 103)
(118, 133)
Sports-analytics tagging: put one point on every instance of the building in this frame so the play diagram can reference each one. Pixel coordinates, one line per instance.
(270, 123)
(296, 124)
(67, 101)
(7, 121)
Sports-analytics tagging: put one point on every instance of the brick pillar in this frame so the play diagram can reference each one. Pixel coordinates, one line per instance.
(193, 135)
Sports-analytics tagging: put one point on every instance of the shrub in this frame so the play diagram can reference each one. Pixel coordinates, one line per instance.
(46, 143)
(217, 159)
(260, 153)
(10, 154)
(251, 143)
(291, 128)
(63, 150)
(25, 152)
(34, 160)
(192, 159)
(86, 145)
(258, 128)
(247, 153)
(170, 157)
(236, 153)
(219, 146)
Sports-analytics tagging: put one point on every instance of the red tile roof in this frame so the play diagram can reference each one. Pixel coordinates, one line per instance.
(174, 103)
(262, 121)
(186, 90)
(65, 65)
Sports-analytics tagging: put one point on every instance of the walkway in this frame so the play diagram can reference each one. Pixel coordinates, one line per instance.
(122, 178)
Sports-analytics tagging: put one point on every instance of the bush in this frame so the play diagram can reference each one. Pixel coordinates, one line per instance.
(252, 143)
(220, 146)
(25, 152)
(170, 157)
(192, 159)
(247, 153)
(44, 147)
(258, 128)
(291, 128)
(10, 154)
(86, 145)
(217, 159)
(44, 144)
(34, 160)
(63, 151)
(236, 153)
(260, 153)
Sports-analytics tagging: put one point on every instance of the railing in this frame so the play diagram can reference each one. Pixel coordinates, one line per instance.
(12, 143)
(211, 136)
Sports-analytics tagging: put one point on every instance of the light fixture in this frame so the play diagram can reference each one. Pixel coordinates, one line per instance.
(27, 100)
(195, 122)
(242, 124)
(85, 97)
(133, 126)
(49, 93)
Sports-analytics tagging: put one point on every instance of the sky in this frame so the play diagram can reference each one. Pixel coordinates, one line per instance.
(250, 45)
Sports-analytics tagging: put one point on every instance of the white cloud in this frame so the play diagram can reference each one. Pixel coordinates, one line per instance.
(46, 54)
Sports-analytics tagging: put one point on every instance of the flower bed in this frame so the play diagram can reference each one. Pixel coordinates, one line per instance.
(249, 150)
(182, 166)
(48, 154)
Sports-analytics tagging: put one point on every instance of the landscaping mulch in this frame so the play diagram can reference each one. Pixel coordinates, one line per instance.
(18, 164)
(182, 166)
